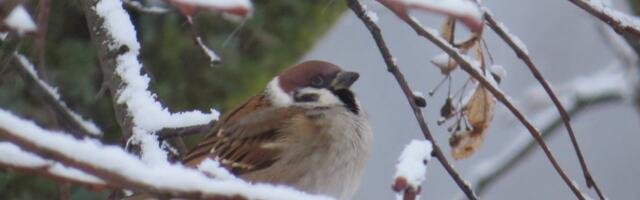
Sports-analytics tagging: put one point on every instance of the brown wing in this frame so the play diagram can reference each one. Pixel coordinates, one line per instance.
(243, 140)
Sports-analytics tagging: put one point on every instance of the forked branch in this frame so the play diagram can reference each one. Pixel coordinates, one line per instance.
(524, 56)
(432, 36)
(392, 67)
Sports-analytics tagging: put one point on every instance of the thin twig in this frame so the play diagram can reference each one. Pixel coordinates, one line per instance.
(44, 172)
(466, 66)
(392, 67)
(169, 133)
(498, 29)
(69, 120)
(212, 55)
(617, 24)
(44, 6)
(495, 173)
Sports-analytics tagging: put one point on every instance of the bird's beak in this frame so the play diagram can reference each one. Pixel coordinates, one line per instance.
(344, 80)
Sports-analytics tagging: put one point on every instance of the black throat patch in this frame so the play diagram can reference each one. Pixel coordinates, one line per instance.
(347, 97)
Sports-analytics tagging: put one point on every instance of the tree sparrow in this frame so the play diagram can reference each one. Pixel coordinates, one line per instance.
(306, 130)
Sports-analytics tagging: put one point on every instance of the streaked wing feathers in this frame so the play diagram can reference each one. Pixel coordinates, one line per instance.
(246, 139)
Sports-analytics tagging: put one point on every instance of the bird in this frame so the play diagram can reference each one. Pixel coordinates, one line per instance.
(305, 130)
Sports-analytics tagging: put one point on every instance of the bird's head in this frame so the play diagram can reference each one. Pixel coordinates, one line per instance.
(312, 83)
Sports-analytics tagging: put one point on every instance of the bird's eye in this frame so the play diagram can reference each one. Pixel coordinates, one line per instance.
(317, 81)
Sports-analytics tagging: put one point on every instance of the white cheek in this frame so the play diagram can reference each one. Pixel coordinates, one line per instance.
(325, 97)
(276, 95)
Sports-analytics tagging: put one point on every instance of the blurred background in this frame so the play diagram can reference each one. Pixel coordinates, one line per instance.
(562, 39)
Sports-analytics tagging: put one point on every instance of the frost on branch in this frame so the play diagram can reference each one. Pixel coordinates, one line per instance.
(20, 21)
(235, 7)
(467, 11)
(147, 114)
(411, 169)
(119, 168)
(86, 126)
(214, 169)
(14, 157)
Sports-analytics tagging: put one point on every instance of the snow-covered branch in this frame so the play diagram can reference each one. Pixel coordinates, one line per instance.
(136, 5)
(491, 86)
(393, 68)
(604, 86)
(139, 113)
(70, 119)
(467, 11)
(12, 157)
(622, 23)
(520, 49)
(120, 169)
(411, 169)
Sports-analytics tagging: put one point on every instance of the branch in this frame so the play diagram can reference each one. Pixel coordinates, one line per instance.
(621, 23)
(392, 67)
(503, 165)
(214, 59)
(579, 97)
(137, 110)
(15, 158)
(432, 36)
(69, 119)
(169, 133)
(499, 29)
(123, 170)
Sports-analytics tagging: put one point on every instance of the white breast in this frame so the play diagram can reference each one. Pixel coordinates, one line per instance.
(341, 165)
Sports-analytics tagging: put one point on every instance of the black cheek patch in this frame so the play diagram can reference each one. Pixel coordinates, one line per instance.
(347, 97)
(306, 98)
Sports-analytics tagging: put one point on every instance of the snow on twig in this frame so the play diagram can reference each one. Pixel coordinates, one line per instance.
(213, 168)
(491, 86)
(242, 8)
(467, 11)
(145, 9)
(148, 115)
(117, 167)
(85, 126)
(620, 22)
(411, 169)
(20, 21)
(517, 47)
(14, 157)
(412, 163)
(393, 68)
(607, 85)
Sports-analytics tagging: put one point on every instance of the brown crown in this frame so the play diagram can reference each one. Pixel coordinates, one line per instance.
(301, 75)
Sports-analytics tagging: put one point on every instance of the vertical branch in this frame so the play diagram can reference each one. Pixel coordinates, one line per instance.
(506, 37)
(41, 36)
(107, 58)
(137, 110)
(392, 67)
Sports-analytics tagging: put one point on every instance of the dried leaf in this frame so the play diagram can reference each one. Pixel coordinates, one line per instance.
(479, 113)
(479, 55)
(448, 29)
(469, 43)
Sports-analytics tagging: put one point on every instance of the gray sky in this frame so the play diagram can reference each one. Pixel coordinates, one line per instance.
(563, 42)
